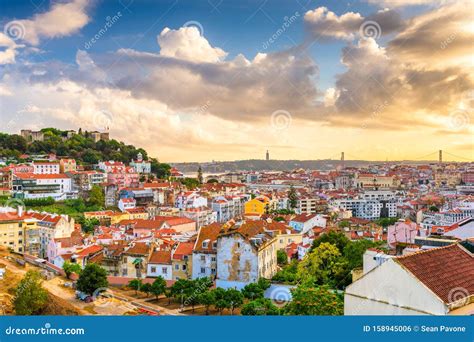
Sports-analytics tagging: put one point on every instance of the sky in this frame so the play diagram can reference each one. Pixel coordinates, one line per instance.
(206, 80)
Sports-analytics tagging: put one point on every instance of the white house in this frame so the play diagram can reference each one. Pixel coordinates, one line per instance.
(438, 281)
(305, 222)
(125, 204)
(205, 251)
(190, 199)
(45, 168)
(245, 253)
(159, 264)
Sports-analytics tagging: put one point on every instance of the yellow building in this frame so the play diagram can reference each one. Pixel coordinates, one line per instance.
(283, 239)
(257, 206)
(182, 261)
(19, 232)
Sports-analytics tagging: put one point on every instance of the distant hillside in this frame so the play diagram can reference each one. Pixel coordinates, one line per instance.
(81, 147)
(262, 165)
(276, 165)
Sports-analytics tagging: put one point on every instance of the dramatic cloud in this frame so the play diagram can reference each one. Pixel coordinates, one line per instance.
(188, 44)
(324, 24)
(61, 20)
(192, 96)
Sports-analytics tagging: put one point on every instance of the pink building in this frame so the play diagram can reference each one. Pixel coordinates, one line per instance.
(123, 177)
(404, 232)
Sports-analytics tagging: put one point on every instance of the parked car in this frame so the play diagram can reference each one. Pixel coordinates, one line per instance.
(84, 297)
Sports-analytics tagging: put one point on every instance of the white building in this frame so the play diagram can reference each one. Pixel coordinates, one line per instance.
(42, 168)
(140, 165)
(190, 199)
(126, 204)
(33, 186)
(434, 282)
(159, 265)
(205, 252)
(245, 253)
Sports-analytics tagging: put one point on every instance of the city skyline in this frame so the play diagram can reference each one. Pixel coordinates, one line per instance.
(227, 81)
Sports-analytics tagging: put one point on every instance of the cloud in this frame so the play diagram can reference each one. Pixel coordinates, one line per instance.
(192, 96)
(188, 44)
(7, 56)
(323, 24)
(419, 79)
(326, 24)
(61, 20)
(441, 37)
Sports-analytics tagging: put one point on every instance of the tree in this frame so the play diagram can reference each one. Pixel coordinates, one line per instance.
(292, 197)
(288, 273)
(221, 302)
(70, 267)
(30, 297)
(88, 225)
(92, 278)
(354, 251)
(135, 284)
(199, 175)
(207, 299)
(323, 265)
(146, 288)
(162, 171)
(234, 298)
(434, 208)
(260, 307)
(282, 258)
(181, 289)
(96, 196)
(336, 238)
(158, 287)
(309, 300)
(264, 283)
(344, 224)
(252, 291)
(168, 294)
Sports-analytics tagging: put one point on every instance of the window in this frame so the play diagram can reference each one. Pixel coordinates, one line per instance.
(164, 270)
(153, 269)
(176, 267)
(203, 258)
(184, 267)
(213, 271)
(203, 270)
(213, 258)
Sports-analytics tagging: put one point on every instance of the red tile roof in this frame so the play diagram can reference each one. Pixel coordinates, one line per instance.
(447, 271)
(139, 248)
(184, 248)
(160, 257)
